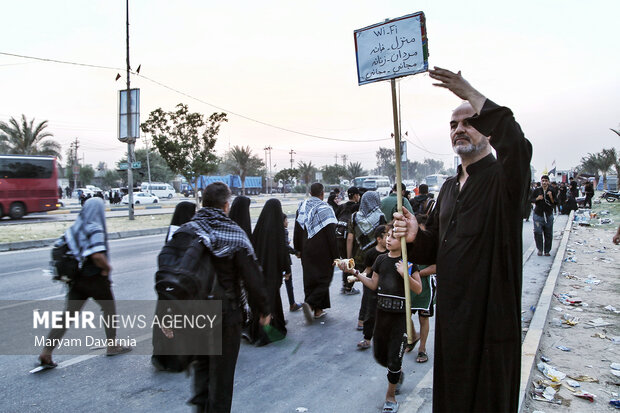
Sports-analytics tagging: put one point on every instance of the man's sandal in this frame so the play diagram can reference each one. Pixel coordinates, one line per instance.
(390, 407)
(422, 357)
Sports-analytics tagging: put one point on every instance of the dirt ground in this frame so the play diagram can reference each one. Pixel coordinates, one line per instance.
(590, 278)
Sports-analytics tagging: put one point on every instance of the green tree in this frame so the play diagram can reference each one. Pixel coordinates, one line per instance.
(242, 161)
(386, 162)
(185, 140)
(286, 175)
(607, 159)
(111, 179)
(354, 169)
(306, 172)
(333, 173)
(160, 172)
(87, 173)
(27, 139)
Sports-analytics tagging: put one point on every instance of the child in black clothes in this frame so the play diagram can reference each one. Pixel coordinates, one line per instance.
(369, 299)
(390, 333)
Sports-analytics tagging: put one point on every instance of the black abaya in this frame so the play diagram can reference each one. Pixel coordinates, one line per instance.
(272, 252)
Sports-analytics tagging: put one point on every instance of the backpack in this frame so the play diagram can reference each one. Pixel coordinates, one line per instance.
(342, 225)
(64, 264)
(185, 272)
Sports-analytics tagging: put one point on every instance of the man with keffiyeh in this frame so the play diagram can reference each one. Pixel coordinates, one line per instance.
(87, 240)
(235, 261)
(315, 238)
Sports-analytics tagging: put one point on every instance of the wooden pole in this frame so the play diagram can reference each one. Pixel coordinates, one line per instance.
(399, 198)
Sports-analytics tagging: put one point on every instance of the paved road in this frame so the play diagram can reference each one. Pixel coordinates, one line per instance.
(316, 367)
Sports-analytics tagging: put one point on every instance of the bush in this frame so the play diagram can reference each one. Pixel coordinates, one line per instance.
(299, 189)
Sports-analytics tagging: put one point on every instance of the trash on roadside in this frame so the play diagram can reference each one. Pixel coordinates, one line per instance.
(301, 409)
(573, 383)
(550, 372)
(556, 322)
(545, 359)
(558, 309)
(563, 348)
(533, 308)
(542, 399)
(584, 395)
(604, 212)
(570, 259)
(570, 320)
(615, 340)
(615, 403)
(615, 366)
(615, 373)
(599, 322)
(612, 308)
(599, 335)
(604, 221)
(603, 259)
(584, 378)
(592, 281)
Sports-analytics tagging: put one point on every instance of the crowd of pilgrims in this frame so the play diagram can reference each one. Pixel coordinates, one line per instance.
(567, 196)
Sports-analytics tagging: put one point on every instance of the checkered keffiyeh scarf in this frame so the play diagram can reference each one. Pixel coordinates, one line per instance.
(314, 215)
(220, 234)
(369, 214)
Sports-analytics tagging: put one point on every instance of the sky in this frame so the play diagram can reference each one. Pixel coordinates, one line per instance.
(280, 67)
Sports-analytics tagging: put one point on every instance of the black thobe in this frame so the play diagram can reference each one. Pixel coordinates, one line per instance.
(317, 259)
(474, 236)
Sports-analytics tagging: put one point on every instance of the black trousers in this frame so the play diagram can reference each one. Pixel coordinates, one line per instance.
(389, 343)
(214, 376)
(100, 289)
(368, 311)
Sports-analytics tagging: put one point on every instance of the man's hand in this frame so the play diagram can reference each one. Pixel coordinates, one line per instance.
(539, 198)
(264, 319)
(459, 86)
(405, 225)
(168, 332)
(101, 261)
(287, 276)
(550, 195)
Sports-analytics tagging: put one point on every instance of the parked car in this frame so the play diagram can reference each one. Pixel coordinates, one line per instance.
(141, 198)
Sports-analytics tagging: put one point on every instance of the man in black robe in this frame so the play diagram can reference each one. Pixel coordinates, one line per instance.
(475, 236)
(315, 238)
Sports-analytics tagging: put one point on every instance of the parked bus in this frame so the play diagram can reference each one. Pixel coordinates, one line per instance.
(28, 184)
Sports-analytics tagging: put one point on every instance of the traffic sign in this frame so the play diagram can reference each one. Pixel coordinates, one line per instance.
(123, 166)
(136, 165)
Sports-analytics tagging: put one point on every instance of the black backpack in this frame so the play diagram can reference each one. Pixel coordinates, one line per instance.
(344, 215)
(66, 267)
(185, 272)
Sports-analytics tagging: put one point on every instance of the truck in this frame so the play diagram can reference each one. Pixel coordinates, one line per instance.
(253, 184)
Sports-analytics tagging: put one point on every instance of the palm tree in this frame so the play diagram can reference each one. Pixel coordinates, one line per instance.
(240, 160)
(354, 169)
(27, 139)
(306, 171)
(607, 158)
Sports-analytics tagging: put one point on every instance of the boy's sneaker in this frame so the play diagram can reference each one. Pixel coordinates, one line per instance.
(352, 291)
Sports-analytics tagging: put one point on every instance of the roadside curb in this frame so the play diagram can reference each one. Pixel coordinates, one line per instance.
(529, 348)
(108, 209)
(22, 245)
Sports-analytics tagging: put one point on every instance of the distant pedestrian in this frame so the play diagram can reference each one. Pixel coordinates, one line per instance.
(288, 278)
(315, 239)
(183, 212)
(389, 203)
(544, 199)
(332, 199)
(345, 211)
(240, 213)
(589, 190)
(88, 242)
(59, 193)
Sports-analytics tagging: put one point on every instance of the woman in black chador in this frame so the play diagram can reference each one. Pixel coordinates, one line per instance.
(272, 253)
(240, 213)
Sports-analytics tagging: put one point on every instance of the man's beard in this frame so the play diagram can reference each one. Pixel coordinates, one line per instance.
(470, 148)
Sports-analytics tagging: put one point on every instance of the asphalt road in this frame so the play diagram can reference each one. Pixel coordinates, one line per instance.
(316, 367)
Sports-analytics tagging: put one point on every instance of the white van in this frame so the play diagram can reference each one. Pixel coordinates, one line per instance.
(435, 182)
(158, 189)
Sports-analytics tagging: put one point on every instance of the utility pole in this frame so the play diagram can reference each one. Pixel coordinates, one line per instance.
(291, 153)
(336, 163)
(148, 164)
(268, 149)
(76, 166)
(344, 160)
(130, 139)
